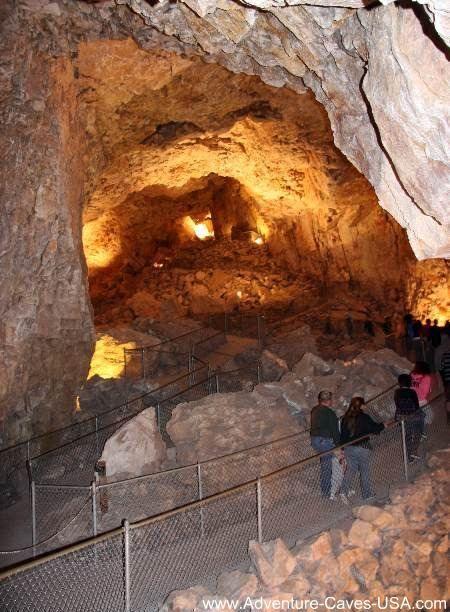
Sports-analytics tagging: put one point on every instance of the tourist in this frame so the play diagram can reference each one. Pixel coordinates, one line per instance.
(355, 424)
(349, 325)
(446, 329)
(435, 335)
(418, 342)
(421, 382)
(444, 369)
(387, 326)
(368, 327)
(324, 437)
(407, 409)
(427, 329)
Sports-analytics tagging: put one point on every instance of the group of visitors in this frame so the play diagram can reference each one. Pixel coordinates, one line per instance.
(355, 428)
(326, 434)
(427, 341)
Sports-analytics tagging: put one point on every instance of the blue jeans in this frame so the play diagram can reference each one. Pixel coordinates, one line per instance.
(358, 460)
(320, 445)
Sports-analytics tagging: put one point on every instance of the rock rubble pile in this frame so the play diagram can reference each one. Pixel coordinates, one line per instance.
(396, 550)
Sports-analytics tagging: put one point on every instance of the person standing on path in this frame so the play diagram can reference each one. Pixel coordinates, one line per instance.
(355, 424)
(421, 382)
(324, 437)
(407, 409)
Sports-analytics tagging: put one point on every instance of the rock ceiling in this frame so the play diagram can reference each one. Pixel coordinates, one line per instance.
(389, 115)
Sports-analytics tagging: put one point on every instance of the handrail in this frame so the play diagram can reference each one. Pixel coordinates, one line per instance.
(100, 429)
(220, 457)
(155, 346)
(90, 419)
(9, 572)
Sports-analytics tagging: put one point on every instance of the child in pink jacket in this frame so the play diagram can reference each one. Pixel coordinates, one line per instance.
(421, 383)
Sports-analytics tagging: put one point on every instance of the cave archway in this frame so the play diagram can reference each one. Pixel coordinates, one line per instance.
(121, 122)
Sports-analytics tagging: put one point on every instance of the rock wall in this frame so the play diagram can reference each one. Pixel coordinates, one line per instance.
(46, 319)
(54, 144)
(388, 117)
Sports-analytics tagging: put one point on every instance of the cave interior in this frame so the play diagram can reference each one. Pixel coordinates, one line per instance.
(165, 186)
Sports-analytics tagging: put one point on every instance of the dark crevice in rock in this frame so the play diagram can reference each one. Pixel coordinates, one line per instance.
(166, 132)
(385, 151)
(427, 26)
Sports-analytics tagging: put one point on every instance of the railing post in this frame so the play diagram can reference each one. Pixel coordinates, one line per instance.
(94, 508)
(405, 450)
(33, 516)
(143, 364)
(259, 510)
(258, 373)
(190, 364)
(97, 449)
(124, 363)
(126, 565)
(258, 323)
(200, 496)
(217, 383)
(158, 415)
(28, 451)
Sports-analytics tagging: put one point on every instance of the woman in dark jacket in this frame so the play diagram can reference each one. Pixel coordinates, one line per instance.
(354, 425)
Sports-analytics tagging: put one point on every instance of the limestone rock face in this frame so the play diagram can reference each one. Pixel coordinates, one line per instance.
(46, 334)
(364, 128)
(222, 423)
(107, 106)
(272, 560)
(135, 449)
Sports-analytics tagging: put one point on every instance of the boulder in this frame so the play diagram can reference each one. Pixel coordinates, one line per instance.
(364, 535)
(135, 449)
(237, 585)
(272, 561)
(372, 514)
(312, 365)
(222, 423)
(185, 601)
(272, 366)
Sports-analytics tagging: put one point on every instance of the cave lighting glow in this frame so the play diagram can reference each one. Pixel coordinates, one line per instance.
(202, 231)
(98, 254)
(107, 360)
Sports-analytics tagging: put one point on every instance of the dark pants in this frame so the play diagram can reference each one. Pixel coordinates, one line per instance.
(321, 445)
(358, 460)
(413, 431)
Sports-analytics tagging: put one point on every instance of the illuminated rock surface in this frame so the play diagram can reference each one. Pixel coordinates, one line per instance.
(110, 119)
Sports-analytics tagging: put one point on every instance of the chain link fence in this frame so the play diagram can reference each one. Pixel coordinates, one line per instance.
(146, 361)
(63, 479)
(134, 568)
(240, 324)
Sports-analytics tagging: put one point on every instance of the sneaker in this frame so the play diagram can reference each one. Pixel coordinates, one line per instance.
(414, 457)
(343, 498)
(351, 493)
(332, 496)
(370, 498)
(424, 436)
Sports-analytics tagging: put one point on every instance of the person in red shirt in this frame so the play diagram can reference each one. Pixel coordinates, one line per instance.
(421, 382)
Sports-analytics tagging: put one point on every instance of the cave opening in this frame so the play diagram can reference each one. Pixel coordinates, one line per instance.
(212, 192)
(198, 253)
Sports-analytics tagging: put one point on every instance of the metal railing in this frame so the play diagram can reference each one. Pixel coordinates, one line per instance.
(135, 567)
(57, 504)
(145, 361)
(241, 324)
